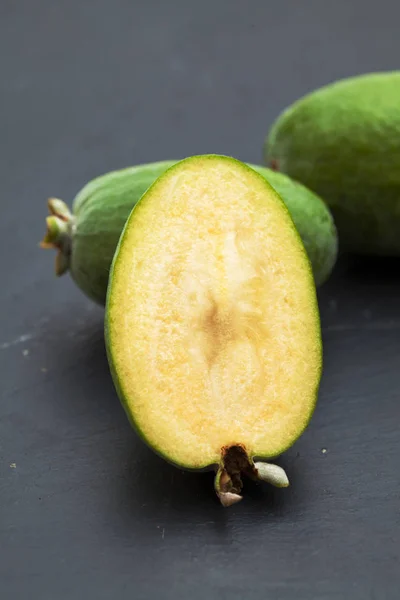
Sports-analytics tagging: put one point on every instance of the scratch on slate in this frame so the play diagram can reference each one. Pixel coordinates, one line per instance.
(163, 532)
(171, 490)
(378, 326)
(19, 340)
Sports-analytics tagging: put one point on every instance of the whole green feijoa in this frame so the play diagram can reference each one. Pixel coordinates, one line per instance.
(343, 142)
(87, 237)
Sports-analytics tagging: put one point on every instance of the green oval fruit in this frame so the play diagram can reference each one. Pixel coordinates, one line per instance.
(214, 346)
(343, 142)
(87, 239)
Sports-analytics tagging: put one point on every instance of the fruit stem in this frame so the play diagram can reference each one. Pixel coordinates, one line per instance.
(60, 225)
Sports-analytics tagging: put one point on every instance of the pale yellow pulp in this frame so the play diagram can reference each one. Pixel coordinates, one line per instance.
(213, 321)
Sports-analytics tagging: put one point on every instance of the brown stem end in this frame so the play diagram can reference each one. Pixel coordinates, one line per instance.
(236, 462)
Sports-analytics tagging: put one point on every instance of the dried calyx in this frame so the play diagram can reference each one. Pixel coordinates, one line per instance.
(58, 235)
(235, 462)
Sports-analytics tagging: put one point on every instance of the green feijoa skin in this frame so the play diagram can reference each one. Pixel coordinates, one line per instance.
(343, 142)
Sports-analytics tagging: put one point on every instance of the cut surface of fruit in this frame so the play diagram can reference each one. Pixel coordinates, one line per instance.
(212, 323)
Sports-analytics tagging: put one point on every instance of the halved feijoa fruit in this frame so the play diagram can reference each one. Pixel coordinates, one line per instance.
(212, 323)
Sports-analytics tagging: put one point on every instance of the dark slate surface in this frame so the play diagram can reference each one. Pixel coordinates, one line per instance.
(86, 511)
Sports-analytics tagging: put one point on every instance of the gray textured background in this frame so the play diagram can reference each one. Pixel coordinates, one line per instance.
(86, 511)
